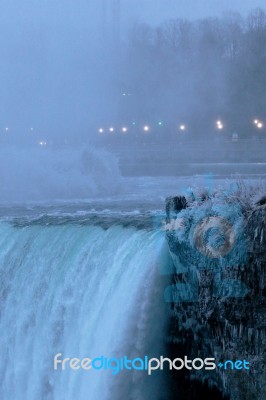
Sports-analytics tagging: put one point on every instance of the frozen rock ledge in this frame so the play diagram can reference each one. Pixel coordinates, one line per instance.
(218, 247)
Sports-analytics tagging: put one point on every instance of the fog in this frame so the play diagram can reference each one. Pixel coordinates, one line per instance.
(49, 58)
(31, 174)
(165, 79)
(159, 10)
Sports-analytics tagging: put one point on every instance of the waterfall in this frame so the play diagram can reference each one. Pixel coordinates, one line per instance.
(81, 291)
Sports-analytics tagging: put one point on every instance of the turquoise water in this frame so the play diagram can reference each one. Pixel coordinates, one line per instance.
(83, 290)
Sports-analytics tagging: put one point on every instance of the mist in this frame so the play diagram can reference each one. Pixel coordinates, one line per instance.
(49, 57)
(149, 86)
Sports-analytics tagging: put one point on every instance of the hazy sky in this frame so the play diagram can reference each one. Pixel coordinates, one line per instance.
(84, 12)
(158, 10)
(50, 62)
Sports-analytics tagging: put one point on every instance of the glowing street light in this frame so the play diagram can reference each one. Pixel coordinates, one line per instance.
(124, 129)
(111, 129)
(146, 128)
(101, 130)
(42, 143)
(6, 129)
(219, 124)
(258, 123)
(182, 127)
(160, 123)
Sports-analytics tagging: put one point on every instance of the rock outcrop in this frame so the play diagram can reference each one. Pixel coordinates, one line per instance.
(218, 247)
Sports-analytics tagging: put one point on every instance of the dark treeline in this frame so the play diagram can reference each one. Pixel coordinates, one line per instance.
(195, 72)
